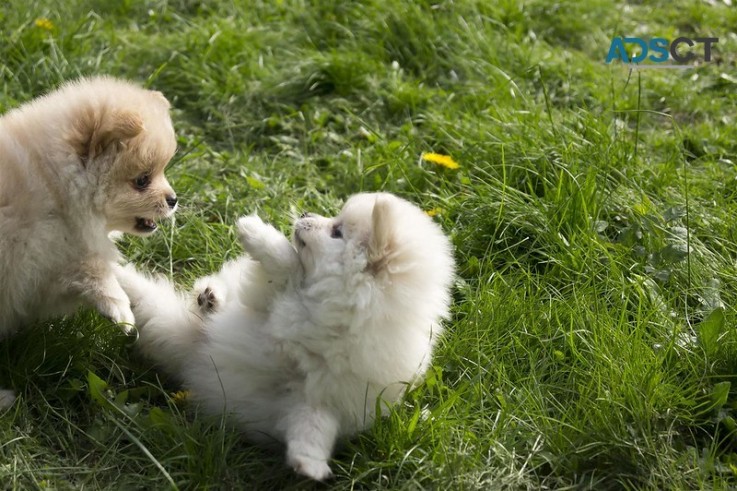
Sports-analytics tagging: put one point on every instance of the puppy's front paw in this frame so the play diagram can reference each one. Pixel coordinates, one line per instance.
(207, 301)
(209, 293)
(267, 245)
(250, 229)
(119, 312)
(316, 469)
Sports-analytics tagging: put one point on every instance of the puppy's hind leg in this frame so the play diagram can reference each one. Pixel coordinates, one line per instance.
(169, 329)
(310, 434)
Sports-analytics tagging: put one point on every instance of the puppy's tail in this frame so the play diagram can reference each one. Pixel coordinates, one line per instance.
(170, 328)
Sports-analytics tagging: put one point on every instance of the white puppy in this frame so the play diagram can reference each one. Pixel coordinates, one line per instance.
(298, 341)
(76, 165)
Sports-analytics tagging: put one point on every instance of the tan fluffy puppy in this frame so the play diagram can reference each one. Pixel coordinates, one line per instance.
(77, 166)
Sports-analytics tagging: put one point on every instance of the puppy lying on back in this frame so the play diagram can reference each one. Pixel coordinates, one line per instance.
(76, 165)
(298, 341)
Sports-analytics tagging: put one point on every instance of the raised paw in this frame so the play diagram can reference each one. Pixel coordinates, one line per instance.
(207, 301)
(267, 245)
(316, 469)
(250, 228)
(210, 293)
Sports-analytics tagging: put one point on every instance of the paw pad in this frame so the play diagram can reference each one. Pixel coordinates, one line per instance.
(206, 300)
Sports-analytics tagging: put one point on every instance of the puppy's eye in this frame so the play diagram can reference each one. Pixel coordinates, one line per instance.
(142, 182)
(337, 232)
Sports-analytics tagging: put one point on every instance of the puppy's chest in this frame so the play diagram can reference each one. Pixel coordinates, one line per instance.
(315, 353)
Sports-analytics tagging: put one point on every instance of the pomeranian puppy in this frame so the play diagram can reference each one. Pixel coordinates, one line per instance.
(76, 166)
(297, 341)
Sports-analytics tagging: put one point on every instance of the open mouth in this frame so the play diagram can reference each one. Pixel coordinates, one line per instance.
(145, 225)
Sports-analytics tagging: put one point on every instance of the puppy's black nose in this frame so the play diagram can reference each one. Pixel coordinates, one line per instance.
(171, 200)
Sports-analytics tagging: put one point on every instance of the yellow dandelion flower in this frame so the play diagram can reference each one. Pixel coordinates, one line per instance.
(440, 159)
(434, 211)
(180, 397)
(44, 23)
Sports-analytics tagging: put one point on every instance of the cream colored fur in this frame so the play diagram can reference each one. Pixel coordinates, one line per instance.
(70, 167)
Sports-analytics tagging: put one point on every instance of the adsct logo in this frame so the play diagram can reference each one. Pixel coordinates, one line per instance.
(679, 53)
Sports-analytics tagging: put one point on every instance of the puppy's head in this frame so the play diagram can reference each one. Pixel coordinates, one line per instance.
(377, 239)
(123, 138)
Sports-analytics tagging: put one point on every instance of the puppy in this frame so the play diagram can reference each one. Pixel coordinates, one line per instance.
(298, 341)
(76, 166)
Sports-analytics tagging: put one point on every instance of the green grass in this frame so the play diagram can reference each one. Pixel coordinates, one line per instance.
(593, 340)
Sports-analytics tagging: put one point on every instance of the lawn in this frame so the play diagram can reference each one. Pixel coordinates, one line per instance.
(594, 216)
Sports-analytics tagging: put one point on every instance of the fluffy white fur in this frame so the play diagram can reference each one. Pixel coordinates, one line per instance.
(76, 165)
(296, 341)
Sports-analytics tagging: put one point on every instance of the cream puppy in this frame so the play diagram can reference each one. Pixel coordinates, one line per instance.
(297, 342)
(77, 165)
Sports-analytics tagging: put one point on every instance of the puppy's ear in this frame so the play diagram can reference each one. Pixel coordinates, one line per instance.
(162, 98)
(94, 131)
(382, 243)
